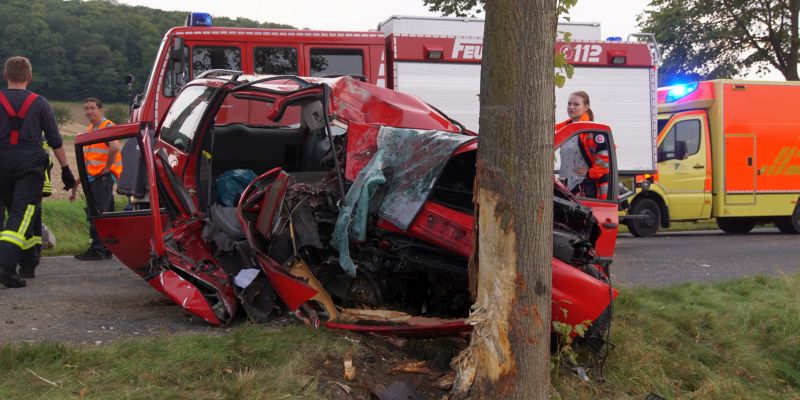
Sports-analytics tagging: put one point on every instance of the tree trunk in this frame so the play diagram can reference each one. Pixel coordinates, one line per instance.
(508, 356)
(794, 44)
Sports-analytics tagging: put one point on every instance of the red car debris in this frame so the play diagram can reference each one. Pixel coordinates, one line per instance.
(352, 208)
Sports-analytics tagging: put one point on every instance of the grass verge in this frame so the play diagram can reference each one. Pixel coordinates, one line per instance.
(248, 363)
(67, 220)
(731, 340)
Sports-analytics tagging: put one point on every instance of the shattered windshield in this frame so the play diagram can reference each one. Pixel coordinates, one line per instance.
(404, 170)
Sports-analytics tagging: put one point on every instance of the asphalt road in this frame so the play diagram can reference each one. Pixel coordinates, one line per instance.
(88, 302)
(703, 256)
(97, 302)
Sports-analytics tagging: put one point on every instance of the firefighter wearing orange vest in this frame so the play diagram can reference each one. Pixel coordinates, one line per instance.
(585, 158)
(24, 115)
(103, 168)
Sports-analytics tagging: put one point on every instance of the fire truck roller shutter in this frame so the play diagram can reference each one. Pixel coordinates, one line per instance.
(450, 87)
(621, 98)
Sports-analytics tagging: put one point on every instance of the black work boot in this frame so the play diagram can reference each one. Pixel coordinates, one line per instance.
(27, 272)
(91, 255)
(11, 279)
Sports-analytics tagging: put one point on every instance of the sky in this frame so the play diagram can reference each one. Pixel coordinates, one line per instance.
(617, 18)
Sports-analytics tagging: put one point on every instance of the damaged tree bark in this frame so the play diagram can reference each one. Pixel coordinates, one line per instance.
(508, 356)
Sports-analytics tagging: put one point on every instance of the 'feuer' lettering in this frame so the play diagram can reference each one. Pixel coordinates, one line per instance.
(467, 49)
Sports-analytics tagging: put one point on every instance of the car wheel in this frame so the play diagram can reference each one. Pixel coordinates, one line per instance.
(736, 225)
(790, 224)
(645, 227)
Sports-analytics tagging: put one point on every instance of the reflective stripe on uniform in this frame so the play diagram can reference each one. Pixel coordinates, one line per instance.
(95, 150)
(18, 237)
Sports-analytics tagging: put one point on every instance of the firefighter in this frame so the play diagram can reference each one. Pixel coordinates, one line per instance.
(23, 117)
(585, 157)
(103, 168)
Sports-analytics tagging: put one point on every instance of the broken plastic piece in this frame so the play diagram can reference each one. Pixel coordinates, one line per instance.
(245, 277)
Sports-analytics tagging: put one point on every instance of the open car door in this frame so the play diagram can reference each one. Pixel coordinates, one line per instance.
(127, 230)
(605, 210)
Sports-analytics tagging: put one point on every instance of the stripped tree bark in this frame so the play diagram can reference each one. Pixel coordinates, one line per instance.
(508, 356)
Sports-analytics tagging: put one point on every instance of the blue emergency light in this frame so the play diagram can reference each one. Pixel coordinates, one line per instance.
(614, 39)
(678, 92)
(199, 19)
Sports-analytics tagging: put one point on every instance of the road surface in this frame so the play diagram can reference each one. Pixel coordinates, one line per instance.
(703, 256)
(96, 302)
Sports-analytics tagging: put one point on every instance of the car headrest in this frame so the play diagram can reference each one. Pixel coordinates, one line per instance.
(314, 115)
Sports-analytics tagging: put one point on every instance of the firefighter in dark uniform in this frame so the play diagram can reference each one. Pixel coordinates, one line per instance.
(23, 117)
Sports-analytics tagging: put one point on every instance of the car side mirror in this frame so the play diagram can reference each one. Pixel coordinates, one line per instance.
(681, 150)
(179, 56)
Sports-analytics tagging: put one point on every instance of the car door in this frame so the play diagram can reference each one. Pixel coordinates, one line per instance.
(684, 169)
(605, 210)
(127, 230)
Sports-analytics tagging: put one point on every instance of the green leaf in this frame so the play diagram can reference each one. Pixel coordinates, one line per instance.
(561, 80)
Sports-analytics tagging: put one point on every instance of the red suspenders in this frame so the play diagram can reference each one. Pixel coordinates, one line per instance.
(16, 118)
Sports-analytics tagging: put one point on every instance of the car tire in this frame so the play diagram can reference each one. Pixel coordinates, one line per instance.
(736, 225)
(645, 227)
(790, 224)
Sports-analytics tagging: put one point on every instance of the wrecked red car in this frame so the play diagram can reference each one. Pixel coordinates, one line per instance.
(346, 204)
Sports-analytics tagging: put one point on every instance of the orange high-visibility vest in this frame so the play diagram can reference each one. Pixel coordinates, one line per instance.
(96, 155)
(594, 149)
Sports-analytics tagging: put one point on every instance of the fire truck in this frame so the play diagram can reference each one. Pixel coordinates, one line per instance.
(728, 149)
(436, 59)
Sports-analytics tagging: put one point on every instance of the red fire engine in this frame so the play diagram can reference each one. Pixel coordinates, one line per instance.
(436, 59)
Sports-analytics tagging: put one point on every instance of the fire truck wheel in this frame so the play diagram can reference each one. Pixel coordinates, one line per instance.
(790, 224)
(645, 227)
(736, 225)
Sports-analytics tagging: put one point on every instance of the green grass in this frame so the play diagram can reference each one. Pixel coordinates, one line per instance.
(729, 340)
(250, 362)
(67, 220)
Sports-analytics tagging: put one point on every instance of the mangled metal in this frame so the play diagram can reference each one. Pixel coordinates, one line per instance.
(390, 256)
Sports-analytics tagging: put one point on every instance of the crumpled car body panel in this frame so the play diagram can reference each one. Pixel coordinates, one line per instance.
(408, 254)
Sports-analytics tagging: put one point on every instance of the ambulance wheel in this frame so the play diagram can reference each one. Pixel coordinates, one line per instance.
(645, 227)
(736, 225)
(790, 224)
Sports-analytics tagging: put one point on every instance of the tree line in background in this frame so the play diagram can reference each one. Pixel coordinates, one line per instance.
(711, 39)
(85, 48)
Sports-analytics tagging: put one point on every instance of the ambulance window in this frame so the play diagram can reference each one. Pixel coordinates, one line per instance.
(662, 122)
(184, 116)
(275, 60)
(337, 62)
(689, 132)
(205, 58)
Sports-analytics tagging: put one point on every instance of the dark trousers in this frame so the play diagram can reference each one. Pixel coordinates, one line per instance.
(102, 189)
(21, 182)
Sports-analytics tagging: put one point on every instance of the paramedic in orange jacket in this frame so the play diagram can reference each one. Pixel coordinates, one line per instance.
(584, 158)
(103, 167)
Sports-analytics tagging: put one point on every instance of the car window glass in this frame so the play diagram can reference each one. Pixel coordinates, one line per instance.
(205, 58)
(184, 116)
(275, 60)
(337, 62)
(689, 132)
(667, 146)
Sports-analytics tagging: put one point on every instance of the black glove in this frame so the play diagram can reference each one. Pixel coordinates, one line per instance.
(67, 178)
